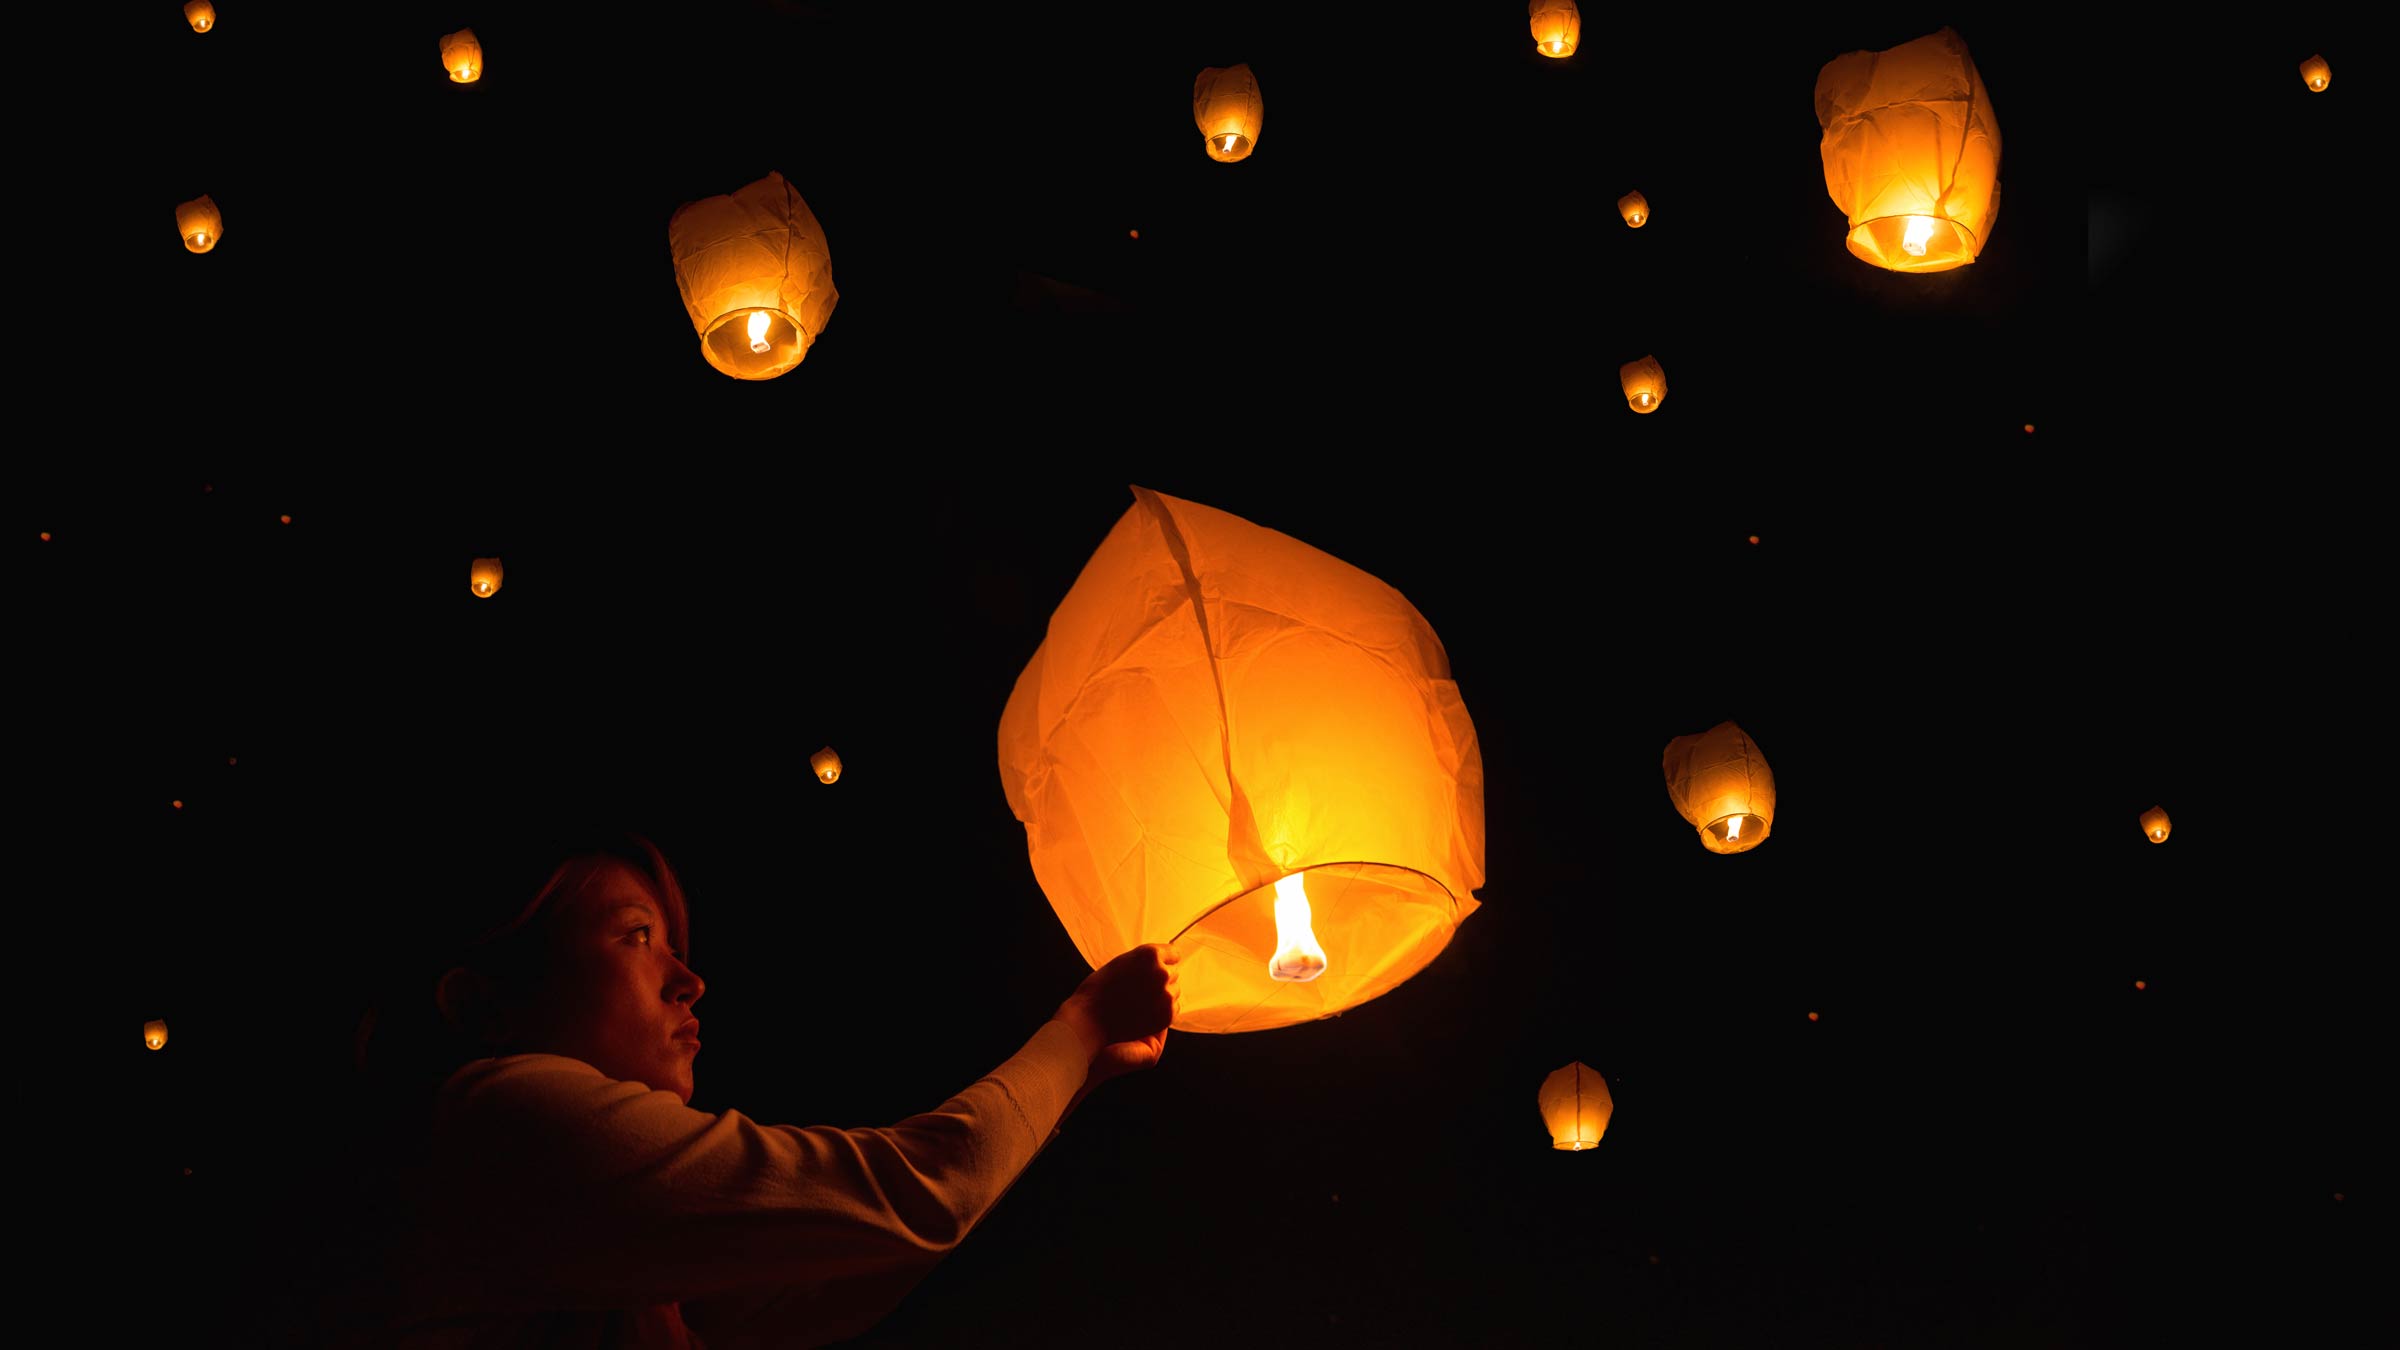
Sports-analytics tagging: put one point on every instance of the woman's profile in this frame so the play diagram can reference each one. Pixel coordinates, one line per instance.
(551, 1185)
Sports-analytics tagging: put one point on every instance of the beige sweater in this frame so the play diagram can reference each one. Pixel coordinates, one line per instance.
(563, 1208)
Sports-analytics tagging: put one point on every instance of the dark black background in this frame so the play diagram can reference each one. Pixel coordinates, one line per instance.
(442, 323)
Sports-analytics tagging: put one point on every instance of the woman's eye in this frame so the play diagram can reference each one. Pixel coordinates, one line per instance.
(644, 931)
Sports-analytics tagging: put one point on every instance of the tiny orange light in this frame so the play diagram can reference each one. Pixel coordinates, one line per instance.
(1754, 539)
(179, 805)
(2029, 428)
(1133, 234)
(45, 536)
(229, 759)
(2141, 984)
(287, 520)
(1812, 1017)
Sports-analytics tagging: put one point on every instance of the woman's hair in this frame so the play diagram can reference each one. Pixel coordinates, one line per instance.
(494, 915)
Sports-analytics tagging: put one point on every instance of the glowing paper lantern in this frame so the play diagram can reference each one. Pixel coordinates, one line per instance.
(1645, 384)
(1556, 26)
(2317, 73)
(1233, 742)
(462, 56)
(1227, 106)
(2155, 826)
(756, 277)
(1576, 1107)
(826, 765)
(201, 14)
(483, 576)
(1912, 153)
(1719, 782)
(154, 1034)
(1635, 208)
(200, 224)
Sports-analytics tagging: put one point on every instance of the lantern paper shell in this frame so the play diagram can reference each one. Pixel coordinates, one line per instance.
(1217, 706)
(1227, 105)
(1635, 208)
(2316, 73)
(1576, 1107)
(1912, 153)
(2155, 826)
(462, 56)
(825, 764)
(201, 14)
(756, 277)
(1557, 26)
(154, 1035)
(200, 224)
(1719, 781)
(483, 577)
(1645, 384)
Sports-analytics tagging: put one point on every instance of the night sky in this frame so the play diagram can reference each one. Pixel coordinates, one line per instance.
(442, 324)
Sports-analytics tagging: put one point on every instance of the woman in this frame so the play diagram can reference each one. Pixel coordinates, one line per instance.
(566, 1194)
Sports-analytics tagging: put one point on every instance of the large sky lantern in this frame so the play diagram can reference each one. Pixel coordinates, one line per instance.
(1635, 208)
(200, 223)
(462, 56)
(1235, 743)
(825, 764)
(1912, 153)
(1645, 384)
(1557, 26)
(1227, 105)
(1576, 1106)
(154, 1034)
(201, 15)
(2316, 73)
(756, 277)
(2155, 825)
(483, 577)
(1719, 781)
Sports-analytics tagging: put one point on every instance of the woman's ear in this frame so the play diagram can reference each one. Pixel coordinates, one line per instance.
(466, 998)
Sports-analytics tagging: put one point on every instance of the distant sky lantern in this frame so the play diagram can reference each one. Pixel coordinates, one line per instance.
(483, 576)
(1576, 1107)
(2317, 73)
(201, 15)
(825, 764)
(2155, 826)
(1719, 782)
(1645, 384)
(154, 1034)
(200, 223)
(756, 277)
(462, 56)
(1227, 105)
(1912, 153)
(1556, 26)
(1635, 208)
(1238, 744)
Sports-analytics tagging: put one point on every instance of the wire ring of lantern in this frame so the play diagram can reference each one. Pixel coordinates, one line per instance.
(1447, 893)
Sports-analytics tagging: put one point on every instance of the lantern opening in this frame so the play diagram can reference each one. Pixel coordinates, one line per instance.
(463, 73)
(1228, 147)
(754, 344)
(1297, 954)
(1381, 925)
(1913, 243)
(1735, 833)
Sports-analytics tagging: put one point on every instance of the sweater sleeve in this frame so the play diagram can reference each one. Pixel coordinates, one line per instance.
(583, 1192)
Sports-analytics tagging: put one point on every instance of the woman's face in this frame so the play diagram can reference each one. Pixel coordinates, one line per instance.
(615, 995)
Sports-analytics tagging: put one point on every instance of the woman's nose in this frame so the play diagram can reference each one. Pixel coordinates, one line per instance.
(687, 986)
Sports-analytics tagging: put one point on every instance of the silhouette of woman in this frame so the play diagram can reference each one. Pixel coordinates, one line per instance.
(562, 1191)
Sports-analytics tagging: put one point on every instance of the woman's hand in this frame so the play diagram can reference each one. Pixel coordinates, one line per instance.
(1122, 1011)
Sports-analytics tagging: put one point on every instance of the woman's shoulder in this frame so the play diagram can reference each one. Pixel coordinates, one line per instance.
(545, 1096)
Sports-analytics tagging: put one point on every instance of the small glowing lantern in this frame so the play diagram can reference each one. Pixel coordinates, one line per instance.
(462, 56)
(1911, 152)
(202, 16)
(483, 576)
(2155, 826)
(1556, 26)
(1227, 106)
(1719, 782)
(756, 277)
(154, 1034)
(2317, 73)
(1576, 1107)
(200, 224)
(1235, 743)
(1645, 384)
(1635, 208)
(826, 765)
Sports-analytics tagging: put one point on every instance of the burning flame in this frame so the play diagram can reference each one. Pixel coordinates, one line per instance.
(1297, 955)
(1920, 229)
(201, 238)
(1733, 829)
(1556, 45)
(758, 331)
(1229, 143)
